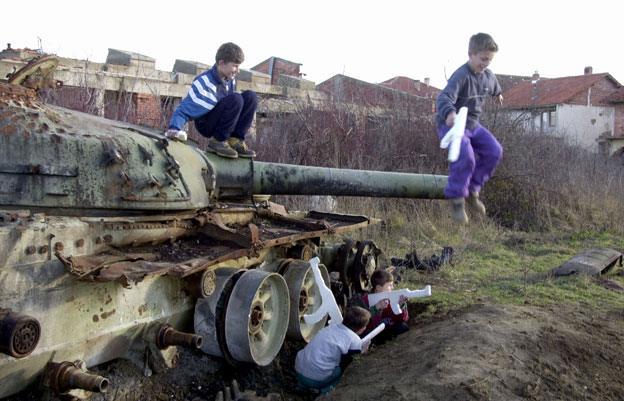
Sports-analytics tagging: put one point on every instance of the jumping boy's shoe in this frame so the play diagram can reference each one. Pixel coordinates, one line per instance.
(177, 135)
(222, 149)
(241, 148)
(458, 211)
(475, 203)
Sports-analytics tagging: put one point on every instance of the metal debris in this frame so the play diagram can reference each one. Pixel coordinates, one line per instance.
(435, 262)
(593, 262)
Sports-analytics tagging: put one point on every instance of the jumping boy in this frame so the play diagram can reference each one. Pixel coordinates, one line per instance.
(480, 152)
(219, 112)
(383, 281)
(321, 363)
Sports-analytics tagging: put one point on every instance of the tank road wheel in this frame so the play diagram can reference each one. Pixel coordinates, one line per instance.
(304, 251)
(257, 317)
(210, 312)
(305, 298)
(364, 265)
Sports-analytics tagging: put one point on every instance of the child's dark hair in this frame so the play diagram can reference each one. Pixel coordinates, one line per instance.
(230, 52)
(380, 277)
(356, 318)
(481, 42)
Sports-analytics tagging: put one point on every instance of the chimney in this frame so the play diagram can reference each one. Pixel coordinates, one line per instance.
(8, 46)
(427, 81)
(534, 88)
(588, 70)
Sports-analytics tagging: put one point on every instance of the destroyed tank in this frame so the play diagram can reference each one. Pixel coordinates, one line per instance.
(118, 243)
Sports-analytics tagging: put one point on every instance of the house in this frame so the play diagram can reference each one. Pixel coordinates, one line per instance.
(284, 73)
(373, 106)
(351, 90)
(588, 109)
(412, 86)
(507, 82)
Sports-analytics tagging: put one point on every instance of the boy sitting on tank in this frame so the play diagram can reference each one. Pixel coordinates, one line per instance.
(219, 112)
(381, 312)
(321, 363)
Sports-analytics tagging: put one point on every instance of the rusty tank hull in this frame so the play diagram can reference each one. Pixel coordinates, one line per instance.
(112, 238)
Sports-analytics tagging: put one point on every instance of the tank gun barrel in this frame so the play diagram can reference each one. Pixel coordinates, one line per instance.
(285, 179)
(241, 177)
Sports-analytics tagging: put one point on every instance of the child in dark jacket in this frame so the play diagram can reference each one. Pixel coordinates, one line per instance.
(469, 86)
(383, 281)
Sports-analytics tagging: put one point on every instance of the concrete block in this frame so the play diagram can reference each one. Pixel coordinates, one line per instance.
(244, 75)
(123, 57)
(189, 67)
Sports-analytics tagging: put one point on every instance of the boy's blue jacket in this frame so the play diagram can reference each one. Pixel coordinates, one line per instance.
(465, 88)
(206, 90)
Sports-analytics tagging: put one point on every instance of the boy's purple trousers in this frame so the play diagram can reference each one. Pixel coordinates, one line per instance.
(479, 155)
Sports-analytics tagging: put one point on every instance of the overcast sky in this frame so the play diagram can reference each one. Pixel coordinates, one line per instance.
(368, 40)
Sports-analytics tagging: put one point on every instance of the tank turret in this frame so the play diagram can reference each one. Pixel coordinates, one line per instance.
(110, 232)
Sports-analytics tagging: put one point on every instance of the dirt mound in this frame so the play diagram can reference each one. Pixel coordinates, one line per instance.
(496, 353)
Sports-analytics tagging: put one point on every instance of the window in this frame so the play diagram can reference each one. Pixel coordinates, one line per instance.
(552, 118)
(548, 120)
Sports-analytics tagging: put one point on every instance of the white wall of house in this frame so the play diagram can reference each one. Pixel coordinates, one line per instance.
(583, 125)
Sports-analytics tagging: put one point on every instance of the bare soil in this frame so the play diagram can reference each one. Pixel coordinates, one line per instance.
(484, 352)
(489, 352)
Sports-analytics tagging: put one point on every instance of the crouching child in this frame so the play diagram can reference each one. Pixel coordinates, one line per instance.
(321, 363)
(381, 312)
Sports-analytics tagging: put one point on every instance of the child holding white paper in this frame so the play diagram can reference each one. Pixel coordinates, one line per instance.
(480, 152)
(381, 312)
(321, 363)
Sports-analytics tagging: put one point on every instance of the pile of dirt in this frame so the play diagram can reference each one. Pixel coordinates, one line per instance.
(491, 352)
(484, 352)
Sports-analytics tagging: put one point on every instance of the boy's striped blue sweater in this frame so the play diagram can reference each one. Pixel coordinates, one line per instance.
(206, 90)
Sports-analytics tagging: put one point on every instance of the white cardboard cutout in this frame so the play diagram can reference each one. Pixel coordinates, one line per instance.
(393, 297)
(372, 334)
(452, 139)
(328, 302)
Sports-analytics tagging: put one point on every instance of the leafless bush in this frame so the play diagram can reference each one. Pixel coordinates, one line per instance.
(542, 183)
(547, 182)
(348, 136)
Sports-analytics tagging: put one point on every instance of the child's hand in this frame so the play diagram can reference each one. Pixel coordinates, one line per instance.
(383, 304)
(499, 100)
(450, 119)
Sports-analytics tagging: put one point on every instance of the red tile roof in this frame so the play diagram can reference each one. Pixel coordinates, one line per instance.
(551, 91)
(411, 86)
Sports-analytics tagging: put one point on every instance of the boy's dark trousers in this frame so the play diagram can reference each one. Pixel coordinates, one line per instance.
(390, 332)
(231, 117)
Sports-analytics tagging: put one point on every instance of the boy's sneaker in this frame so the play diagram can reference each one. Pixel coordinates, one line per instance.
(241, 148)
(475, 203)
(178, 135)
(222, 149)
(458, 211)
